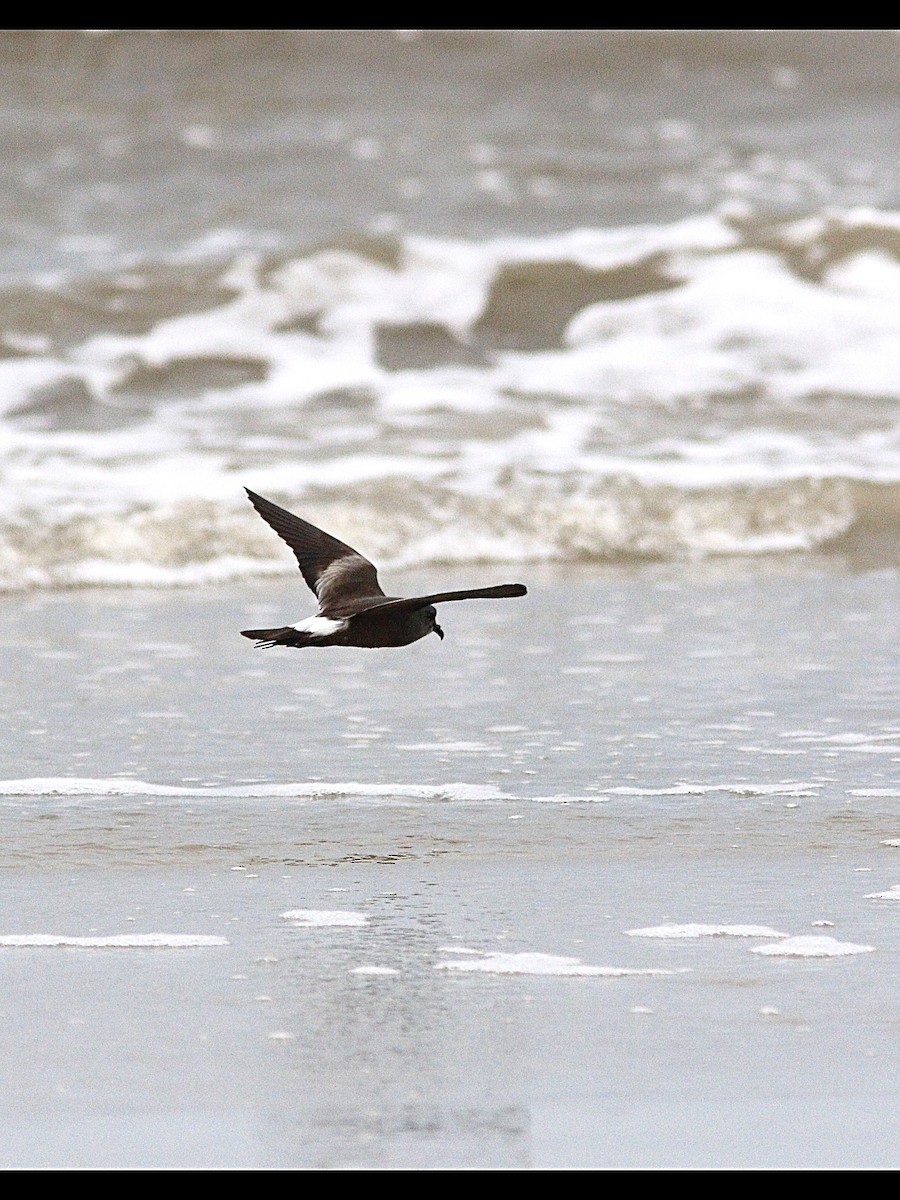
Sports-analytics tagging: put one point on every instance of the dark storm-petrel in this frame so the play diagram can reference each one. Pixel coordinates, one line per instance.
(353, 610)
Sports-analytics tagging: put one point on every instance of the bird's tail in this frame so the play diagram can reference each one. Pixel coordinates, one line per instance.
(285, 635)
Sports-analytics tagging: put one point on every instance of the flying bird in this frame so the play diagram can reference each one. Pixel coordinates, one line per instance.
(353, 610)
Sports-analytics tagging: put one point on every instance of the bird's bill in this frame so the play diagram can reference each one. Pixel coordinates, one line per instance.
(437, 629)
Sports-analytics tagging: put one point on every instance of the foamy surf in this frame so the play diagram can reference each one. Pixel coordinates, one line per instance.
(75, 787)
(892, 893)
(705, 789)
(317, 918)
(123, 941)
(811, 946)
(664, 391)
(682, 932)
(533, 963)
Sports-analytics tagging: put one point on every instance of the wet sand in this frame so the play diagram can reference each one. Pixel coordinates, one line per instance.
(626, 749)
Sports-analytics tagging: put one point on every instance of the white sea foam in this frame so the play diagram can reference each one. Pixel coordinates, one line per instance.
(851, 741)
(313, 918)
(893, 893)
(730, 407)
(873, 747)
(373, 970)
(76, 786)
(120, 941)
(698, 931)
(811, 946)
(563, 798)
(703, 789)
(531, 963)
(449, 747)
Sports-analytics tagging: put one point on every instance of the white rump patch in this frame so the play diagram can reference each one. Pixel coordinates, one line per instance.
(319, 626)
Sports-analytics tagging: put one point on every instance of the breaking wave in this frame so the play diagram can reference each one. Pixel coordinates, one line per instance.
(723, 385)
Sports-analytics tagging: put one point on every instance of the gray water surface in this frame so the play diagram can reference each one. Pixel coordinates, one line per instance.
(657, 746)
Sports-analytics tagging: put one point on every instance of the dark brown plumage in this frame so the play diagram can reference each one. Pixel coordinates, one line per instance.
(353, 609)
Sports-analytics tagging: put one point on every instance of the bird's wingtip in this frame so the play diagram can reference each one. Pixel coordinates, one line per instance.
(256, 500)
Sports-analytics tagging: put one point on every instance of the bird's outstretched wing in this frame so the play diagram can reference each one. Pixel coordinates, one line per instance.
(499, 592)
(338, 575)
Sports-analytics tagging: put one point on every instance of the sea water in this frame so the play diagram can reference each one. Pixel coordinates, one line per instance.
(608, 877)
